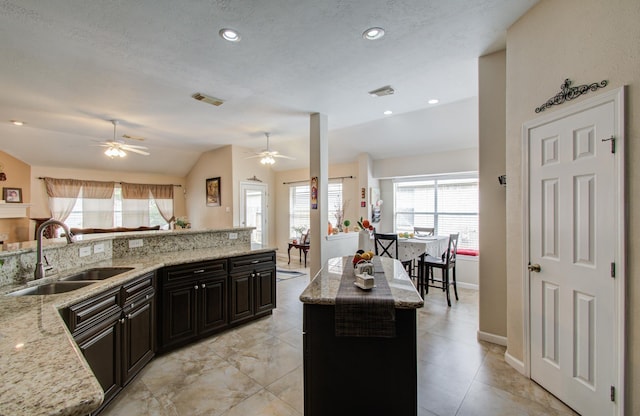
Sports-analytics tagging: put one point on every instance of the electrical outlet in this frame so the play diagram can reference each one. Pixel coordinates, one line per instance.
(85, 251)
(135, 243)
(98, 248)
(233, 236)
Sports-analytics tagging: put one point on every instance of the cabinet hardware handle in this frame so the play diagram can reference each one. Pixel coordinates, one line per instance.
(122, 321)
(258, 274)
(133, 304)
(146, 297)
(129, 316)
(196, 287)
(198, 271)
(203, 285)
(255, 262)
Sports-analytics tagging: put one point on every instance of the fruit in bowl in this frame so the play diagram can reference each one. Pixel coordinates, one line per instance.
(362, 255)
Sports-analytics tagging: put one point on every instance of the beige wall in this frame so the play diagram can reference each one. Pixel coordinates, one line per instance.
(586, 41)
(463, 160)
(17, 173)
(493, 262)
(350, 191)
(211, 164)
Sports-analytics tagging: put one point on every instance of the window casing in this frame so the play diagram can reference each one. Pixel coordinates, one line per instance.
(449, 204)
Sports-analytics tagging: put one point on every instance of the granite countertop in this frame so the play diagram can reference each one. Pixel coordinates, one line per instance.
(322, 290)
(42, 369)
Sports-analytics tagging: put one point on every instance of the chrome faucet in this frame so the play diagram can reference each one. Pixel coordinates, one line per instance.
(39, 272)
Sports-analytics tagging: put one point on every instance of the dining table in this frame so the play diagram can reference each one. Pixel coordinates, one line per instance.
(412, 248)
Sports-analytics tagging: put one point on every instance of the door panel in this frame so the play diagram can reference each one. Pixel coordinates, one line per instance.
(253, 211)
(573, 235)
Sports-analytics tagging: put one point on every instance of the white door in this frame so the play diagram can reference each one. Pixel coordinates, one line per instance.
(253, 211)
(574, 238)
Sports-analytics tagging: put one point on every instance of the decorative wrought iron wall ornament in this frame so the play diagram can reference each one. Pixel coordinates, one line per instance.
(568, 93)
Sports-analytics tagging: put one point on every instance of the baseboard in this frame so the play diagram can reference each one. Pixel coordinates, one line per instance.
(467, 285)
(514, 362)
(492, 338)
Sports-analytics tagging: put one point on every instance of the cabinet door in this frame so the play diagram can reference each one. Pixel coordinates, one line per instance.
(138, 336)
(100, 346)
(179, 319)
(242, 303)
(213, 305)
(265, 290)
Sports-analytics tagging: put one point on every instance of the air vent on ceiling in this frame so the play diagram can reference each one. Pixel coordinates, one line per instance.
(208, 99)
(386, 90)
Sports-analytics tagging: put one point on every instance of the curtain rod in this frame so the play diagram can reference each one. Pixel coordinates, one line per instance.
(120, 183)
(335, 177)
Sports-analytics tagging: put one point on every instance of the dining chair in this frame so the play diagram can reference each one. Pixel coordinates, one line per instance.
(387, 245)
(447, 262)
(423, 231)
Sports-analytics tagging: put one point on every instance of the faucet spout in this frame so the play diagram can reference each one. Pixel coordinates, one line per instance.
(40, 272)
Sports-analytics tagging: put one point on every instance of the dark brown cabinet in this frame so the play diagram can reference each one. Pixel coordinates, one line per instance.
(199, 299)
(115, 332)
(253, 286)
(193, 302)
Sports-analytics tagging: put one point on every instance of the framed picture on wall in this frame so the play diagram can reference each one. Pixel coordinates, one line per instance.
(213, 192)
(12, 195)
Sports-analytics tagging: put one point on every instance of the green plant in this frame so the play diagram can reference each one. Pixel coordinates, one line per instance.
(347, 223)
(300, 229)
(182, 222)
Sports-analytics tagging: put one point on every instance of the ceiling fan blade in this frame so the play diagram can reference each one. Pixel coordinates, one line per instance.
(132, 146)
(139, 138)
(285, 157)
(140, 152)
(254, 156)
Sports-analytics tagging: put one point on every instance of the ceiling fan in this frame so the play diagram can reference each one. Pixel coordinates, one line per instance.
(267, 157)
(119, 148)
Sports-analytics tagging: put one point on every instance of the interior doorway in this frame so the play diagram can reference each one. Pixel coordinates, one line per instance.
(574, 246)
(253, 212)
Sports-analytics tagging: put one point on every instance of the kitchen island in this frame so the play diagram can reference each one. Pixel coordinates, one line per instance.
(360, 357)
(42, 368)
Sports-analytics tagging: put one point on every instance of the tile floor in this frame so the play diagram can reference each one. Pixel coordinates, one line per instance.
(256, 369)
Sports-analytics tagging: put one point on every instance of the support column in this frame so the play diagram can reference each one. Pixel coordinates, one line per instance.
(319, 168)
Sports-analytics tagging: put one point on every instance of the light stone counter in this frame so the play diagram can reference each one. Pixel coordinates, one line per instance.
(324, 287)
(42, 370)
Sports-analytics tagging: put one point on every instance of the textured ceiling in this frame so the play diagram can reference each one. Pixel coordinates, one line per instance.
(69, 66)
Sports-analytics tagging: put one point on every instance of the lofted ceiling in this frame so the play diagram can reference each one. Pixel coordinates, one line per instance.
(70, 66)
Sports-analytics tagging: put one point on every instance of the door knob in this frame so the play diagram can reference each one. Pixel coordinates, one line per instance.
(534, 268)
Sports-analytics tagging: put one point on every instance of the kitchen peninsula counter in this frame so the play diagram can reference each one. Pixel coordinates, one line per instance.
(360, 353)
(42, 369)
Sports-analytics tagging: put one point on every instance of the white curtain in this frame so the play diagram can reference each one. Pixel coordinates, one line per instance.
(135, 212)
(63, 194)
(163, 195)
(97, 213)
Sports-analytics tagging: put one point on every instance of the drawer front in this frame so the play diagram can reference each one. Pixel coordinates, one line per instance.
(252, 261)
(178, 274)
(141, 297)
(141, 284)
(83, 314)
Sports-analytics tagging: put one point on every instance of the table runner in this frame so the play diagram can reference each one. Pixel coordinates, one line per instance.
(364, 313)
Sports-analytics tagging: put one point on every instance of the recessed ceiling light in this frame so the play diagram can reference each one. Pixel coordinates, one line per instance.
(17, 123)
(388, 113)
(373, 33)
(230, 35)
(433, 101)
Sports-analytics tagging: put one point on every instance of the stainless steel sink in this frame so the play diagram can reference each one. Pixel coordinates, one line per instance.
(97, 273)
(51, 288)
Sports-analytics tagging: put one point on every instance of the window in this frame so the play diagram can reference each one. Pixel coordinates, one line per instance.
(89, 213)
(299, 210)
(449, 204)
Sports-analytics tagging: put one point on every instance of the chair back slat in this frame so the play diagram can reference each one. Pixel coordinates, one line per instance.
(386, 245)
(452, 249)
(423, 230)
